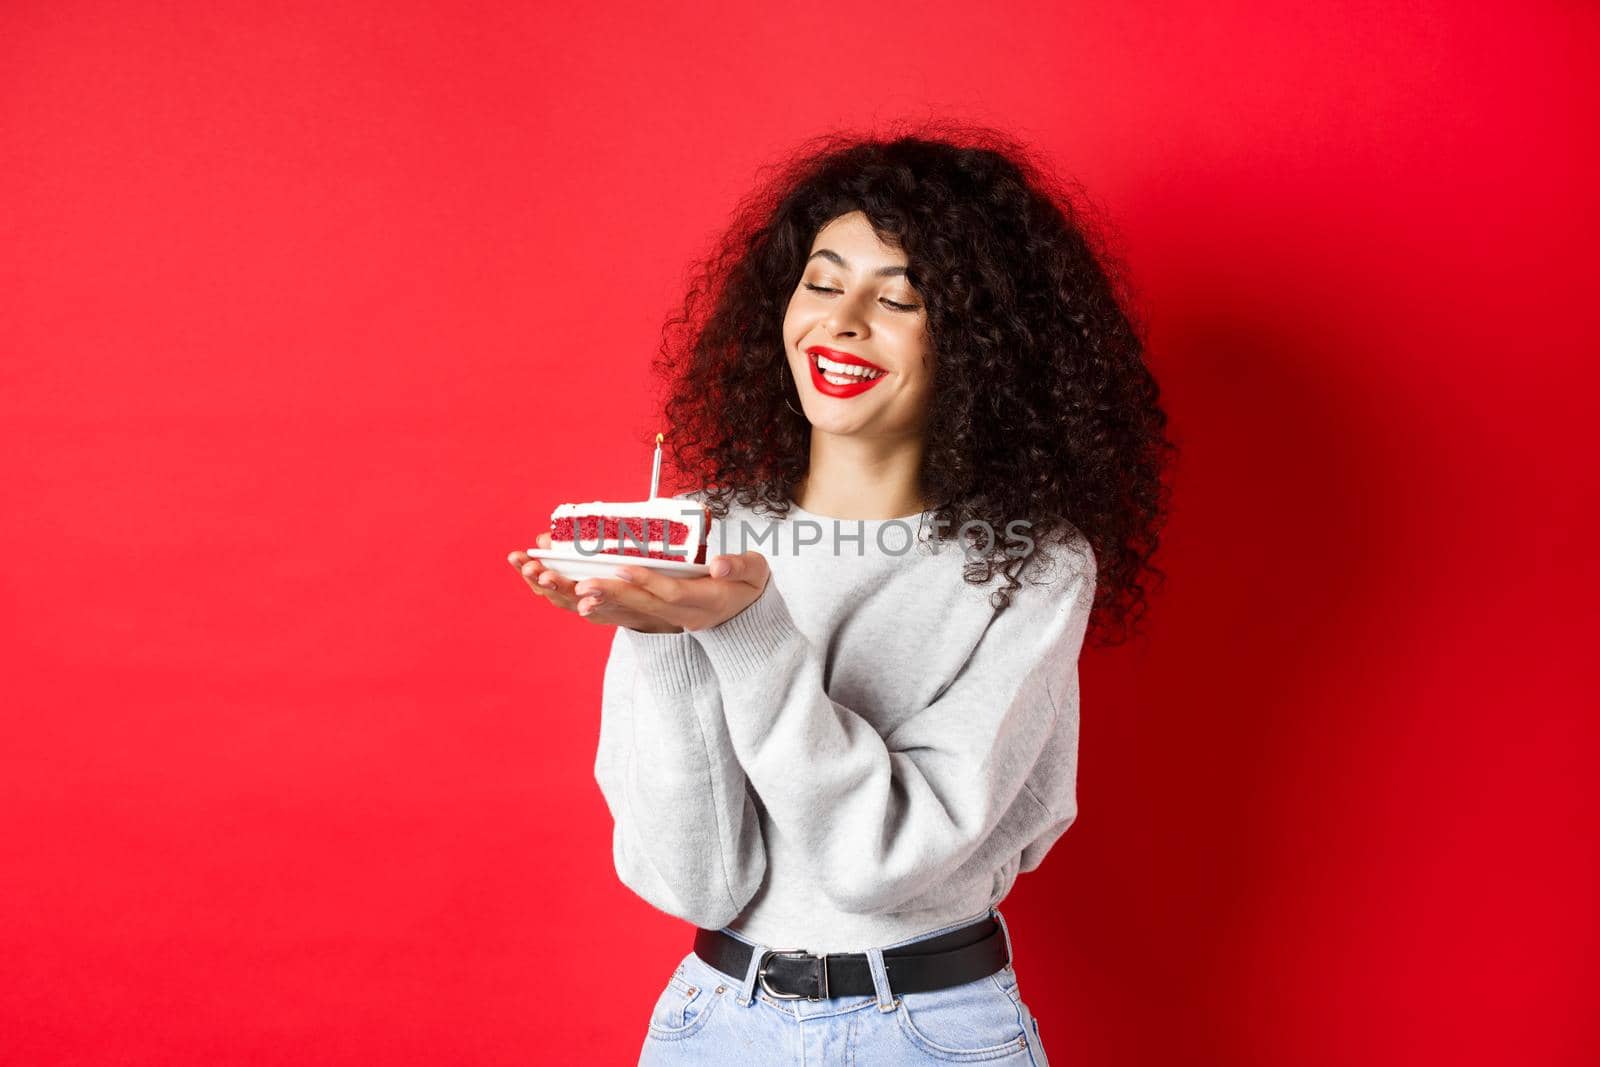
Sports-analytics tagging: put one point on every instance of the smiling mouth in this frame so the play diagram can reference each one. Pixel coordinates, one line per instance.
(842, 384)
(838, 372)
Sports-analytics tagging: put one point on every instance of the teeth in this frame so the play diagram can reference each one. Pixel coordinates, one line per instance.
(835, 367)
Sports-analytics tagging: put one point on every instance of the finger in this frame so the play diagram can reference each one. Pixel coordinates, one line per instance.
(561, 600)
(540, 572)
(655, 585)
(531, 571)
(550, 585)
(545, 582)
(542, 541)
(751, 568)
(638, 607)
(746, 567)
(599, 607)
(607, 613)
(610, 591)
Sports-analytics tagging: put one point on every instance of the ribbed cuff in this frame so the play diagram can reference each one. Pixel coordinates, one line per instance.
(672, 663)
(741, 645)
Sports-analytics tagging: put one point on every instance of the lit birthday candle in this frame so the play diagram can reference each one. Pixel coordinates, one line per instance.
(655, 469)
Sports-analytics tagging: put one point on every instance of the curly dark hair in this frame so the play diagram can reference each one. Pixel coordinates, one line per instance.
(1043, 408)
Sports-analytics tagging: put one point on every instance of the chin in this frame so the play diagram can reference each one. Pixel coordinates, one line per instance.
(842, 425)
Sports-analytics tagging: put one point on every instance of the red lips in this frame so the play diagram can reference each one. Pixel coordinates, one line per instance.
(827, 388)
(841, 357)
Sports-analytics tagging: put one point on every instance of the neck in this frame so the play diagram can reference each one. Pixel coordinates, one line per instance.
(862, 478)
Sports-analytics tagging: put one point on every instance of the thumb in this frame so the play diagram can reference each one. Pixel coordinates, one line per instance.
(749, 567)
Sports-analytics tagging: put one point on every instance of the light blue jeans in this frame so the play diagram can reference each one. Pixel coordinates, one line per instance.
(706, 1018)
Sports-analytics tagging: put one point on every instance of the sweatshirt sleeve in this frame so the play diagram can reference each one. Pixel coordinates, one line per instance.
(882, 817)
(686, 838)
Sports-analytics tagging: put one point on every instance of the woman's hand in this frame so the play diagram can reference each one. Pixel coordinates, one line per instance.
(734, 584)
(559, 591)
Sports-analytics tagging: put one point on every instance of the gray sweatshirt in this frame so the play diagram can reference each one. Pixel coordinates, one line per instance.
(866, 753)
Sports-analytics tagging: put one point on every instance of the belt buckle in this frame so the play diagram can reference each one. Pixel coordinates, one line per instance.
(761, 973)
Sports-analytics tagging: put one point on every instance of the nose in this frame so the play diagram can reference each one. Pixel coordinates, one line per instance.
(846, 322)
(847, 316)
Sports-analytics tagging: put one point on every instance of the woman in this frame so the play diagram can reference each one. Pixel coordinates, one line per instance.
(906, 372)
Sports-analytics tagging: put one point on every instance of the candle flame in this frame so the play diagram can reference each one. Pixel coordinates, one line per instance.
(658, 438)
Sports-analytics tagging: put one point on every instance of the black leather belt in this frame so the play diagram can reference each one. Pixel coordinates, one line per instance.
(967, 954)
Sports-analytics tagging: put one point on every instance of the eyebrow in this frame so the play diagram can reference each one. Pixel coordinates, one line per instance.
(832, 256)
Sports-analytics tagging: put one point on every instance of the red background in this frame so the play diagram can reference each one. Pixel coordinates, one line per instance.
(311, 316)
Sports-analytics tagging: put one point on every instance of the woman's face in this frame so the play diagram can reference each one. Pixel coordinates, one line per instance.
(853, 299)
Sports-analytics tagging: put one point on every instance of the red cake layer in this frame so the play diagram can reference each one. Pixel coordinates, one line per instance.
(592, 529)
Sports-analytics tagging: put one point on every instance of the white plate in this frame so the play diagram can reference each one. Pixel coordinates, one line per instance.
(605, 564)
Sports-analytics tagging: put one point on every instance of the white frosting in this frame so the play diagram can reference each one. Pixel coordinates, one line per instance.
(669, 508)
(661, 507)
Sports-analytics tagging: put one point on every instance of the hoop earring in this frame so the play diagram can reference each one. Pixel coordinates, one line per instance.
(784, 390)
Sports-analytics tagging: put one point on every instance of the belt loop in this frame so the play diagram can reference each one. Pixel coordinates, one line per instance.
(747, 990)
(1001, 919)
(880, 980)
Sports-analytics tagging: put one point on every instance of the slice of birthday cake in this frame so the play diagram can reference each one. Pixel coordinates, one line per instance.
(668, 528)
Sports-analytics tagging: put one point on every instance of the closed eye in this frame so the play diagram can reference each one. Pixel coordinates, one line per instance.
(883, 300)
